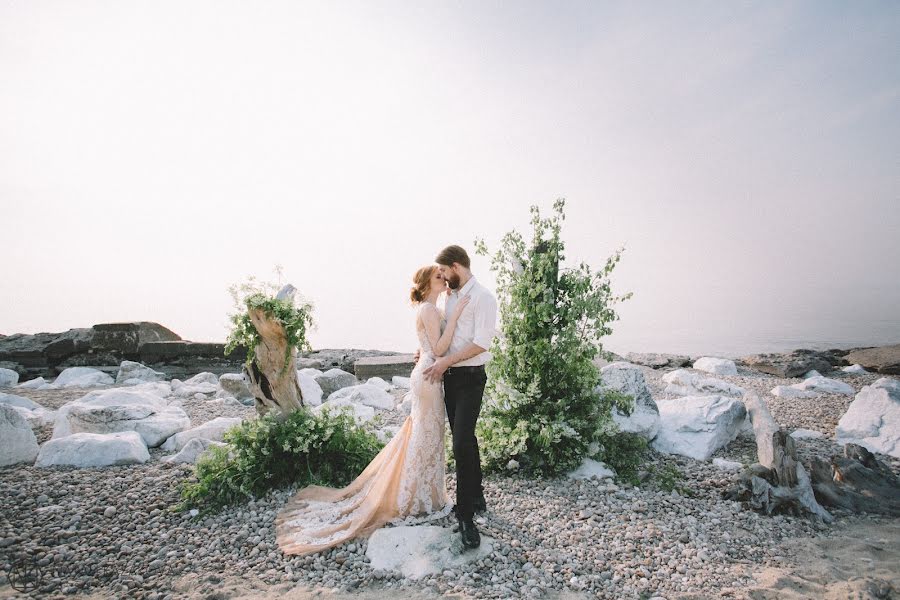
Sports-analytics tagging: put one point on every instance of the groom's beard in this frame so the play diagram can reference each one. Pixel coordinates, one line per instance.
(452, 281)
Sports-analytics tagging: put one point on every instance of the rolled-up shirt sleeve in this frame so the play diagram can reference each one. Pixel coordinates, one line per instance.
(485, 322)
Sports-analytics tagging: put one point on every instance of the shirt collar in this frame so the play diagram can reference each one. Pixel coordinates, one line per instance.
(466, 288)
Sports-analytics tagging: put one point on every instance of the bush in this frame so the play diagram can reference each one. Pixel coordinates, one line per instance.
(542, 407)
(266, 453)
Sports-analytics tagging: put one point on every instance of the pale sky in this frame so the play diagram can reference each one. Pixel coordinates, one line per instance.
(747, 155)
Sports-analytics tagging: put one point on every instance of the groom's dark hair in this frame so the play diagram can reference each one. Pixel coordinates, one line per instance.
(453, 254)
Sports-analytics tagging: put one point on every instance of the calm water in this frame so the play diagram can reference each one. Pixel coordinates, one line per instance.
(739, 339)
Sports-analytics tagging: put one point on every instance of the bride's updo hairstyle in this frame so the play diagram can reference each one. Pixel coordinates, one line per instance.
(422, 281)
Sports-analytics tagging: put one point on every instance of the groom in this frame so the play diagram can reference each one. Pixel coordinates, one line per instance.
(462, 369)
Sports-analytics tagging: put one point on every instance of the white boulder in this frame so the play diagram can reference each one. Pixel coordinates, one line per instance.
(118, 410)
(135, 373)
(873, 418)
(628, 379)
(234, 385)
(18, 442)
(8, 378)
(418, 551)
(792, 391)
(309, 388)
(591, 468)
(716, 366)
(807, 434)
(727, 465)
(93, 450)
(818, 383)
(183, 389)
(361, 413)
(682, 382)
(309, 371)
(204, 377)
(80, 377)
(405, 406)
(365, 394)
(854, 369)
(33, 384)
(333, 380)
(34, 413)
(379, 383)
(192, 451)
(211, 430)
(401, 382)
(697, 426)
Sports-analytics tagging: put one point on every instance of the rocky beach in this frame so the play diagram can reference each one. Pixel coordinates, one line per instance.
(113, 531)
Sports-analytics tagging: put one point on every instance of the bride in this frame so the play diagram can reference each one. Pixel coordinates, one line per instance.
(406, 479)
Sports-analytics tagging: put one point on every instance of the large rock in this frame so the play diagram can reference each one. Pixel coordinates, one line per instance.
(211, 430)
(685, 383)
(126, 339)
(192, 451)
(183, 389)
(716, 366)
(361, 413)
(365, 394)
(309, 387)
(384, 366)
(818, 383)
(628, 379)
(418, 551)
(592, 469)
(334, 379)
(791, 364)
(340, 358)
(18, 442)
(135, 372)
(873, 418)
(697, 426)
(93, 450)
(81, 377)
(792, 391)
(35, 414)
(658, 361)
(118, 410)
(204, 377)
(34, 384)
(885, 359)
(8, 378)
(234, 385)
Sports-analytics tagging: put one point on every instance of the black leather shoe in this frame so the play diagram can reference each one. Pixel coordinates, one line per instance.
(480, 505)
(469, 534)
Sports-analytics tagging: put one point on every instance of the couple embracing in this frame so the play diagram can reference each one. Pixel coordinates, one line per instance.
(405, 482)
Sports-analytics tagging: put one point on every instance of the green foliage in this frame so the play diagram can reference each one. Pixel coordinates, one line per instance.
(294, 314)
(542, 407)
(624, 453)
(262, 454)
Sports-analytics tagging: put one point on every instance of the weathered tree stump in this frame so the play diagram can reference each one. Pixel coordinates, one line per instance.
(778, 483)
(273, 371)
(857, 482)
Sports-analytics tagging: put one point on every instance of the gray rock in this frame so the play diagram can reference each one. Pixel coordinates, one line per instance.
(658, 361)
(93, 450)
(129, 369)
(192, 451)
(791, 364)
(211, 430)
(19, 445)
(334, 379)
(885, 359)
(8, 378)
(628, 379)
(697, 426)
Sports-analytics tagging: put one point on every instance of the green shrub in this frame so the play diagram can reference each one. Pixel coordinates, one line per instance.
(262, 454)
(542, 407)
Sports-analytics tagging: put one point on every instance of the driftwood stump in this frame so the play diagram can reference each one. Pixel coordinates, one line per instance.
(778, 483)
(273, 371)
(857, 482)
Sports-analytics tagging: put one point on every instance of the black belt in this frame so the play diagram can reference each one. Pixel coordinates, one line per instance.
(461, 370)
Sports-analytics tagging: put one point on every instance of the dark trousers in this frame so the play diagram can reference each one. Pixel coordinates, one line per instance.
(463, 391)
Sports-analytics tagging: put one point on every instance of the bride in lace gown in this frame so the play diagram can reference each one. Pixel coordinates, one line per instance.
(406, 481)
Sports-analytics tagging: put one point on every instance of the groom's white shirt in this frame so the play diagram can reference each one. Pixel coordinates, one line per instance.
(477, 324)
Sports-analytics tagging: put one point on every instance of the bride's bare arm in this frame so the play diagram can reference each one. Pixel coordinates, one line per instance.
(440, 343)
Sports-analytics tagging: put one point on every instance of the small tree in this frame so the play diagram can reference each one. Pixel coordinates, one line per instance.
(272, 324)
(543, 407)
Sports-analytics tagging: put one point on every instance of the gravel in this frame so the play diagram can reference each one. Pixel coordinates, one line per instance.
(115, 530)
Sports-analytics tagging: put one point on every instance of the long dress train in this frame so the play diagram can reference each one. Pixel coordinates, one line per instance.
(404, 481)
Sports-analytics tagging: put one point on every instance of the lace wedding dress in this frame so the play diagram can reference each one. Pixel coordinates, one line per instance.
(404, 483)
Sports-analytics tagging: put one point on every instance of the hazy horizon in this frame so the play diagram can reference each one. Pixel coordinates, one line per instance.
(747, 157)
